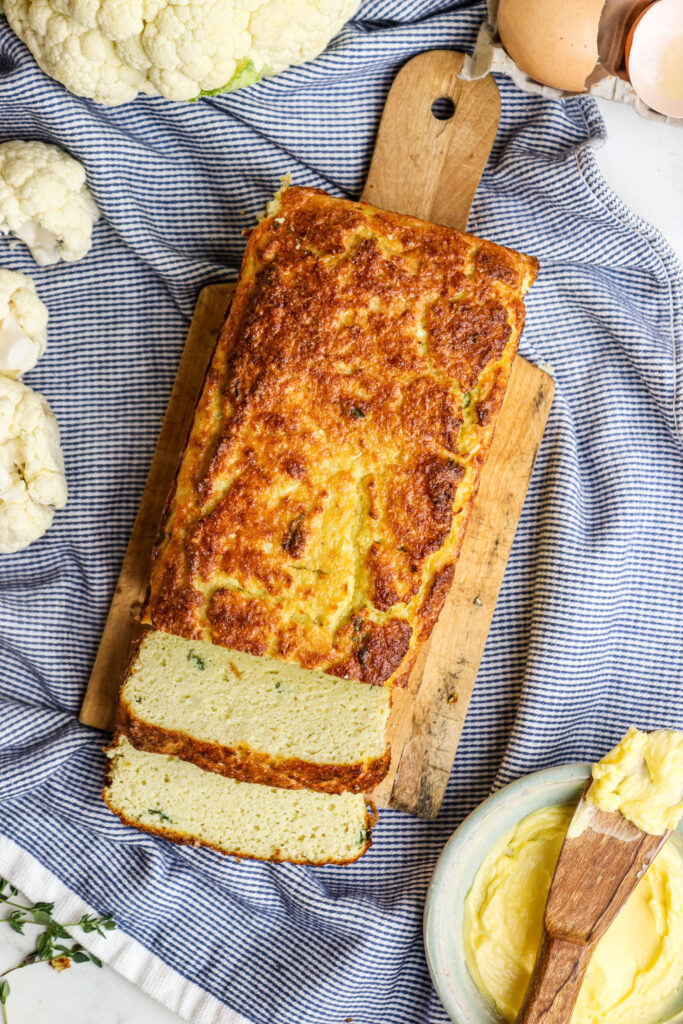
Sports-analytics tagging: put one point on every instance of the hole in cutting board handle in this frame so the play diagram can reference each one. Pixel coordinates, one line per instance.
(443, 108)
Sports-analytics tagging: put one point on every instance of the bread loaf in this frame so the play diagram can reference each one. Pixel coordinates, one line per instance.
(314, 524)
(335, 453)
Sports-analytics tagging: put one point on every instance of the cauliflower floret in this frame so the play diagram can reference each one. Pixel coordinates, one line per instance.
(68, 45)
(23, 324)
(111, 50)
(45, 202)
(32, 481)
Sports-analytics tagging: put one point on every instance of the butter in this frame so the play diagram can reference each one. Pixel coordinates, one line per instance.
(643, 778)
(635, 971)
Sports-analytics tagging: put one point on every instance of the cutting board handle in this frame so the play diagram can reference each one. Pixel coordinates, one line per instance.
(425, 166)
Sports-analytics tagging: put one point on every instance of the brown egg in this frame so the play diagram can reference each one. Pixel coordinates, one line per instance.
(553, 41)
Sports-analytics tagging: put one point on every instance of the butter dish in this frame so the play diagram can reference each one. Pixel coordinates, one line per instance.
(456, 870)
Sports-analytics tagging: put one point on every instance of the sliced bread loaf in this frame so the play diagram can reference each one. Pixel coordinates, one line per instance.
(252, 718)
(175, 799)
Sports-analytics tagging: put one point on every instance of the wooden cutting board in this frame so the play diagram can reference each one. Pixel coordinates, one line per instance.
(428, 166)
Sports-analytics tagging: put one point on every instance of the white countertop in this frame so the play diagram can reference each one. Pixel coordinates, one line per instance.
(643, 163)
(83, 994)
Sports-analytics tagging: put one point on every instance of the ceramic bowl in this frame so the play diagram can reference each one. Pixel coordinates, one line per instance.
(454, 874)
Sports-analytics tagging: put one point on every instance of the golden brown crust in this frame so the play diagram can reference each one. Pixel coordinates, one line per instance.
(182, 840)
(247, 765)
(336, 448)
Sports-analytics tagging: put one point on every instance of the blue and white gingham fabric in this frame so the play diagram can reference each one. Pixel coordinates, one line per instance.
(587, 637)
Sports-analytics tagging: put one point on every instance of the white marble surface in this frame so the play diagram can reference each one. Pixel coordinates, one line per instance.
(643, 162)
(83, 994)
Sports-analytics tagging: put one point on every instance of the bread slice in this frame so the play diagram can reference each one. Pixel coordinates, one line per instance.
(254, 719)
(175, 799)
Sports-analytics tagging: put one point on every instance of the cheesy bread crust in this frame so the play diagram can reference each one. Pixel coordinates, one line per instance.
(322, 497)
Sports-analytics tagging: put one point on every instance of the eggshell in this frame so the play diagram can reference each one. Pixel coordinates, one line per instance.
(654, 57)
(553, 41)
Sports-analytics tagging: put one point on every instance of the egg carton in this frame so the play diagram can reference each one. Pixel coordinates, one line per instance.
(490, 55)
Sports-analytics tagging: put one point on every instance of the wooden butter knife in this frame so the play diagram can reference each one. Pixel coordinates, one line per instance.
(603, 858)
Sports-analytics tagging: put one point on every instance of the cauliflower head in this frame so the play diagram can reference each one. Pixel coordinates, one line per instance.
(112, 50)
(32, 481)
(23, 324)
(45, 202)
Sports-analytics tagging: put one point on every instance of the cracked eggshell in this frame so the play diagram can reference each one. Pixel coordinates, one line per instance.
(654, 57)
(552, 41)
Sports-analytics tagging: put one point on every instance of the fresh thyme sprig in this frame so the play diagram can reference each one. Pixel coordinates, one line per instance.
(54, 944)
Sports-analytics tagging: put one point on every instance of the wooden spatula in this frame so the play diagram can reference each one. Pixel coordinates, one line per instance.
(596, 872)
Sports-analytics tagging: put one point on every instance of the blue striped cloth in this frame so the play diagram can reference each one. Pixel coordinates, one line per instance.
(587, 635)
